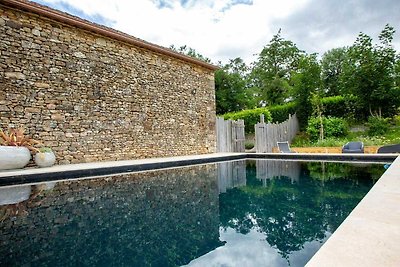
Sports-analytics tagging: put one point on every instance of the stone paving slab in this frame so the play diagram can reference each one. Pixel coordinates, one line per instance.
(370, 235)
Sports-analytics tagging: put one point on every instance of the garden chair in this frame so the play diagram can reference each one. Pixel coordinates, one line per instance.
(284, 147)
(353, 147)
(389, 149)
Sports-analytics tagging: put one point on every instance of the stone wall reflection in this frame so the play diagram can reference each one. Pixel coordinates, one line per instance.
(160, 218)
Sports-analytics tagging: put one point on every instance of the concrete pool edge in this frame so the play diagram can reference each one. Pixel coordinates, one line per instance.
(73, 171)
(370, 235)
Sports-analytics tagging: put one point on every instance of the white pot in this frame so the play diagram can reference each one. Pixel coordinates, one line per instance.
(14, 157)
(14, 194)
(45, 159)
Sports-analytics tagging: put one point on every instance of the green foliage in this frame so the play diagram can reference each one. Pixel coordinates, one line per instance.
(359, 80)
(396, 120)
(343, 106)
(281, 113)
(276, 91)
(333, 127)
(272, 71)
(392, 136)
(191, 52)
(250, 116)
(230, 87)
(332, 67)
(306, 81)
(248, 145)
(377, 125)
(369, 74)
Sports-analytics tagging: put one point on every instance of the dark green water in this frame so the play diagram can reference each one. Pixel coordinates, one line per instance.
(259, 213)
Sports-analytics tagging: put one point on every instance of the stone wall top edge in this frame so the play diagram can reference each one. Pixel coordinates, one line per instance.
(77, 22)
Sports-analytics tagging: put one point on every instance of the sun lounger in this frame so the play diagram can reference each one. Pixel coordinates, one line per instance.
(284, 147)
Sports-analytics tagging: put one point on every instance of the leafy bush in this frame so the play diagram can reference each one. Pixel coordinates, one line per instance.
(281, 113)
(248, 145)
(396, 120)
(302, 139)
(250, 117)
(333, 127)
(342, 106)
(377, 125)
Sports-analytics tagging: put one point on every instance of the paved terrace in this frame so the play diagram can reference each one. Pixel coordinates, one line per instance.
(370, 235)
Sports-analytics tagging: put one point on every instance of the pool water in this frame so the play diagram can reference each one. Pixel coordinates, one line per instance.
(238, 213)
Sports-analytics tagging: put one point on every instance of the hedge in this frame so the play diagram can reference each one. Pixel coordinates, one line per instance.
(281, 113)
(342, 106)
(250, 116)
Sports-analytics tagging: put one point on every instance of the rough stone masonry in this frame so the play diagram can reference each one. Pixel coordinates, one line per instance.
(91, 97)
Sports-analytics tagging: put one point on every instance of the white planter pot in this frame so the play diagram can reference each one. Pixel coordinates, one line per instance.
(14, 194)
(14, 157)
(45, 159)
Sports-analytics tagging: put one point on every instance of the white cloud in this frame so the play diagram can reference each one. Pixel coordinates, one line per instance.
(224, 29)
(217, 29)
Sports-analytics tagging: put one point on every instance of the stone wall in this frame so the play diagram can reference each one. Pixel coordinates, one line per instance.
(93, 98)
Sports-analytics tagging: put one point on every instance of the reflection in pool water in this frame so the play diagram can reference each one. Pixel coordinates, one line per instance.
(263, 213)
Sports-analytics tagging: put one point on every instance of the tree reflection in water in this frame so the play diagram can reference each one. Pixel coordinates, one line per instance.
(293, 203)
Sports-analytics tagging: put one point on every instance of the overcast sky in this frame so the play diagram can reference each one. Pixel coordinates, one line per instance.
(226, 29)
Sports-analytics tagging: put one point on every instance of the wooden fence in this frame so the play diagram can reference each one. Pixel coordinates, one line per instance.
(230, 135)
(231, 174)
(267, 170)
(267, 134)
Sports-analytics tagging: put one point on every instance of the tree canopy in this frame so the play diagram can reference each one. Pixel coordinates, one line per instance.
(368, 72)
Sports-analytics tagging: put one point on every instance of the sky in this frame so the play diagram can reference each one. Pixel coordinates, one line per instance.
(226, 29)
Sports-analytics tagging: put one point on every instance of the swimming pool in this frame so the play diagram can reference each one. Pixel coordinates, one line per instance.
(236, 213)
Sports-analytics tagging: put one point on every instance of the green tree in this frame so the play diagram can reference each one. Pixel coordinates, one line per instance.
(306, 82)
(230, 87)
(272, 71)
(331, 68)
(369, 73)
(397, 73)
(191, 52)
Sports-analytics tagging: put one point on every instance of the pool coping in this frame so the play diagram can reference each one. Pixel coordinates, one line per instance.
(81, 170)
